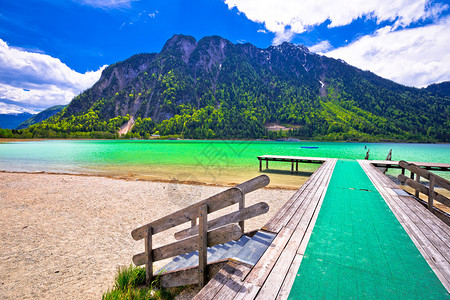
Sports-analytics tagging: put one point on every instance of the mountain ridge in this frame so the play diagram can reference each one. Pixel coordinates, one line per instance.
(198, 89)
(11, 121)
(41, 116)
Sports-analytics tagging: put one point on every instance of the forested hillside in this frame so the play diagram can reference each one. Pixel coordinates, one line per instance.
(43, 115)
(213, 88)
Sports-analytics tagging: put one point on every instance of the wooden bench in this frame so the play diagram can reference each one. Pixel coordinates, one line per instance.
(199, 237)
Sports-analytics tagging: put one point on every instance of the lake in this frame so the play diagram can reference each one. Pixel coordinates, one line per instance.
(213, 162)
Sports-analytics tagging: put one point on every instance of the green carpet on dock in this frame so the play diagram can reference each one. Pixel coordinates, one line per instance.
(359, 250)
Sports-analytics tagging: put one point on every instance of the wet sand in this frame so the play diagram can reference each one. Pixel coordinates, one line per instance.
(64, 236)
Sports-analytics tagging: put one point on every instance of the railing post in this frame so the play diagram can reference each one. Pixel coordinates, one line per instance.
(241, 206)
(193, 222)
(389, 156)
(202, 244)
(431, 191)
(148, 254)
(418, 181)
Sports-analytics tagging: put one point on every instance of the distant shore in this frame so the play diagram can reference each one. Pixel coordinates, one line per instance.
(8, 140)
(63, 236)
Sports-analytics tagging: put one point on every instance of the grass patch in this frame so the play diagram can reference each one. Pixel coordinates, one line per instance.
(129, 284)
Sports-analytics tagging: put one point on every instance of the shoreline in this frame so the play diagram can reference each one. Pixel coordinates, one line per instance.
(144, 179)
(65, 235)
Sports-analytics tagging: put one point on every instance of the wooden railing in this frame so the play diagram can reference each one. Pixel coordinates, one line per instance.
(206, 234)
(418, 173)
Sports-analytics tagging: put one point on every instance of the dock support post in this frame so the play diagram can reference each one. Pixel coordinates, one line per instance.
(417, 191)
(296, 166)
(148, 253)
(202, 244)
(260, 165)
(431, 192)
(267, 163)
(292, 167)
(241, 206)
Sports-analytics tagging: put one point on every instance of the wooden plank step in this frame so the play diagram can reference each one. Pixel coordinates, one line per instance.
(174, 263)
(215, 237)
(193, 261)
(211, 251)
(223, 250)
(255, 248)
(236, 247)
(215, 253)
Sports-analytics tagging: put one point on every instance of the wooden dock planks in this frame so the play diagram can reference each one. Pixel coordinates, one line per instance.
(274, 273)
(429, 234)
(424, 165)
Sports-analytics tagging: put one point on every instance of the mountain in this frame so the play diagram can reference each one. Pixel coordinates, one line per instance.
(442, 88)
(11, 121)
(213, 88)
(43, 115)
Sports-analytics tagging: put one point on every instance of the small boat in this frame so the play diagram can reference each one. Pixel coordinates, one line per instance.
(310, 147)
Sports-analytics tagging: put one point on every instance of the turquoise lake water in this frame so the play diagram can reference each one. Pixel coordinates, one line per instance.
(203, 161)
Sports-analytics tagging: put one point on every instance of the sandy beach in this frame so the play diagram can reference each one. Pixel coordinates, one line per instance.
(64, 236)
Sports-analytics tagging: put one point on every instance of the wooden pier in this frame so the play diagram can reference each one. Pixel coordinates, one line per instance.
(274, 274)
(294, 160)
(388, 164)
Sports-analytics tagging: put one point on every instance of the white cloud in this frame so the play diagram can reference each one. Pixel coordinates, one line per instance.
(288, 17)
(414, 57)
(321, 47)
(283, 36)
(12, 109)
(38, 81)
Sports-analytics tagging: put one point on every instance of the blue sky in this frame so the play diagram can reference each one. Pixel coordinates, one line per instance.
(51, 50)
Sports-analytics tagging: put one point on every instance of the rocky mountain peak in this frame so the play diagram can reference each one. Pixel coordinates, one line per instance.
(285, 46)
(211, 50)
(182, 45)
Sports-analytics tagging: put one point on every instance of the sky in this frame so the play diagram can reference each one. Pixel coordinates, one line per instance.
(52, 50)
